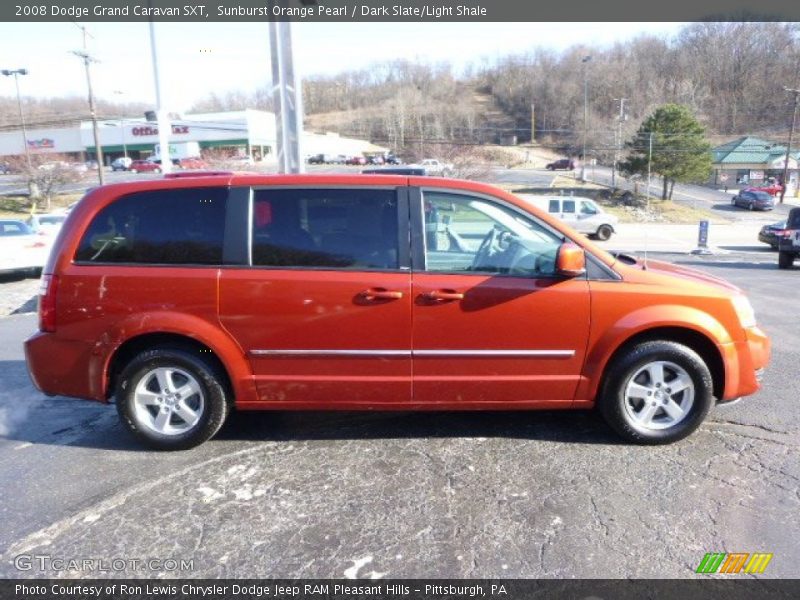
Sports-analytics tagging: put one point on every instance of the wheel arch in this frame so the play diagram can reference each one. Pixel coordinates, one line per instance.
(692, 338)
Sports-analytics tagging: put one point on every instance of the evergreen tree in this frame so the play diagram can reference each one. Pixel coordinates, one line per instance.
(680, 151)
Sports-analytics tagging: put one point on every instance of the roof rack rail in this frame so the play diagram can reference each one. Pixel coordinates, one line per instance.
(180, 174)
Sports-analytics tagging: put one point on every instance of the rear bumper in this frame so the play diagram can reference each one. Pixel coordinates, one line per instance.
(63, 367)
(745, 362)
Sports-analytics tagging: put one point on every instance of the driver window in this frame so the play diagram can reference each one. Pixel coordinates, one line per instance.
(588, 209)
(466, 234)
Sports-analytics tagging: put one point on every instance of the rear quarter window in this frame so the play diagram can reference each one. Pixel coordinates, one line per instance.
(181, 226)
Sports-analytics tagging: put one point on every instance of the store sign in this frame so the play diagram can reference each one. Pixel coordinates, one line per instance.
(41, 144)
(149, 130)
(780, 163)
(756, 174)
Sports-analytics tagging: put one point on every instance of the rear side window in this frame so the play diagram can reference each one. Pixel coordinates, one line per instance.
(319, 228)
(181, 226)
(569, 206)
(554, 206)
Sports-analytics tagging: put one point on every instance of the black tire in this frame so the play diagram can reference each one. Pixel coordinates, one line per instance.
(604, 232)
(733, 201)
(750, 206)
(785, 259)
(617, 410)
(215, 399)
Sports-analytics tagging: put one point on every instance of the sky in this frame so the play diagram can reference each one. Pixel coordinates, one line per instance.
(196, 59)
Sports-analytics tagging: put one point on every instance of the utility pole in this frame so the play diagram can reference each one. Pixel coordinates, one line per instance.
(533, 122)
(618, 145)
(796, 93)
(585, 60)
(164, 126)
(87, 60)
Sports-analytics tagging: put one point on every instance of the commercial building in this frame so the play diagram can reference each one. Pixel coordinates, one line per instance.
(753, 161)
(237, 133)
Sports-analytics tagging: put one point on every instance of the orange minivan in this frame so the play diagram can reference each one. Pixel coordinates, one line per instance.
(188, 296)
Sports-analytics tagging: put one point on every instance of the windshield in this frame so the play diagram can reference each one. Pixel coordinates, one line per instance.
(762, 196)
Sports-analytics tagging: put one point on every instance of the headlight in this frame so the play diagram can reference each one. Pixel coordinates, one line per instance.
(744, 310)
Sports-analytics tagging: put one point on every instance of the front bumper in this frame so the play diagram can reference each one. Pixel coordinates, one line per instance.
(745, 362)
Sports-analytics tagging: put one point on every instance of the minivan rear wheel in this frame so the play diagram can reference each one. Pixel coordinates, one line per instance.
(170, 399)
(656, 392)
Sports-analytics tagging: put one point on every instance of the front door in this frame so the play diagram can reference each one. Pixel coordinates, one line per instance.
(323, 312)
(493, 326)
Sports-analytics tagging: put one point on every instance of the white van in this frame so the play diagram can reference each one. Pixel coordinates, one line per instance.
(582, 214)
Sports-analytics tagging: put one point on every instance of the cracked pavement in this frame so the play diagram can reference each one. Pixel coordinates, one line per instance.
(395, 495)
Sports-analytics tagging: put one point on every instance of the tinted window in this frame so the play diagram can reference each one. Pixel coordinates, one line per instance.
(588, 209)
(762, 196)
(569, 206)
(794, 219)
(468, 234)
(182, 226)
(554, 206)
(341, 229)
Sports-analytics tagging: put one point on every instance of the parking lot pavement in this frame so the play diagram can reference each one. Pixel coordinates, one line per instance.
(412, 494)
(17, 294)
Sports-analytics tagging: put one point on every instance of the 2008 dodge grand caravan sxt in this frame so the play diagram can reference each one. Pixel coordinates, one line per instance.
(184, 298)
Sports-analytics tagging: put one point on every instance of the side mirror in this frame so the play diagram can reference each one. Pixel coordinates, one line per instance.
(571, 260)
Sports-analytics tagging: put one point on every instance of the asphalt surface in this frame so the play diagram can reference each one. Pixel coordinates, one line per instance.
(501, 494)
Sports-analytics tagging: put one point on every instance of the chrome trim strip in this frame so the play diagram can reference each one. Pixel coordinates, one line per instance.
(499, 353)
(422, 353)
(331, 352)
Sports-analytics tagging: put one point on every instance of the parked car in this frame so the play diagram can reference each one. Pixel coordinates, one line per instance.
(436, 167)
(376, 160)
(404, 294)
(561, 163)
(392, 159)
(772, 188)
(316, 159)
(144, 166)
(46, 223)
(582, 214)
(753, 200)
(356, 160)
(123, 163)
(191, 163)
(5, 168)
(789, 242)
(22, 251)
(770, 234)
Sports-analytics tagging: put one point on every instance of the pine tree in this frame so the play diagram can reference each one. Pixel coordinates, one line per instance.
(680, 151)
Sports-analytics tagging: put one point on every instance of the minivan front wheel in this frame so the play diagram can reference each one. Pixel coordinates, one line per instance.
(170, 399)
(657, 392)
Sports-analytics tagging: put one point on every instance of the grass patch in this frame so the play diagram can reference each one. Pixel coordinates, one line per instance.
(16, 207)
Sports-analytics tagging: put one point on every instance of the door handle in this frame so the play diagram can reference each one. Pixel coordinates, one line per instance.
(443, 296)
(380, 294)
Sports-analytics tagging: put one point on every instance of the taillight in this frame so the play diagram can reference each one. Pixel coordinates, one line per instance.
(48, 288)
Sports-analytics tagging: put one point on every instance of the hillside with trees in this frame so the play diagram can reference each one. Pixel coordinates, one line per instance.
(729, 75)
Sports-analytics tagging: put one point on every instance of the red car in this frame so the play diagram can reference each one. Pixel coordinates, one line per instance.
(773, 189)
(144, 166)
(194, 295)
(192, 163)
(356, 160)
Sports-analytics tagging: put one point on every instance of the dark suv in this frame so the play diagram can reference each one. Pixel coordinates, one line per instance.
(563, 163)
(789, 242)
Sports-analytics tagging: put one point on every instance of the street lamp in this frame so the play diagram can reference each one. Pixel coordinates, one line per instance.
(16, 73)
(585, 60)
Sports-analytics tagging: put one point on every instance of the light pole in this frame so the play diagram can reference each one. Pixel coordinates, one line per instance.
(16, 73)
(585, 60)
(618, 145)
(122, 127)
(796, 93)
